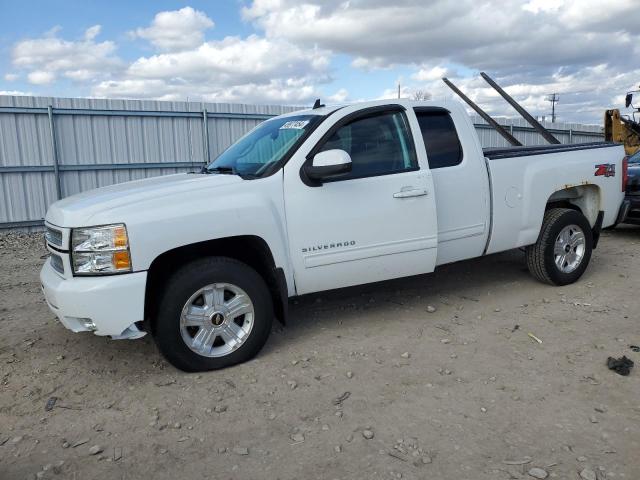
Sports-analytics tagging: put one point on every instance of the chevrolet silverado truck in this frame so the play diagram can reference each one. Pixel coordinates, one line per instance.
(315, 200)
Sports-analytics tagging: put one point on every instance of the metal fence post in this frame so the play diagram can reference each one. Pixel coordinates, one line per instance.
(54, 146)
(59, 169)
(205, 129)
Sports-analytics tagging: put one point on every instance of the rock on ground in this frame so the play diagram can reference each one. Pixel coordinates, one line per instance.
(537, 472)
(128, 389)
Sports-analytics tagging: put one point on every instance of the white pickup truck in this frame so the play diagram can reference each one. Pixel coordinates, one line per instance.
(310, 201)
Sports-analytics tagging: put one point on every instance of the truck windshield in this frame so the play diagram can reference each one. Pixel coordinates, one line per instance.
(260, 150)
(635, 158)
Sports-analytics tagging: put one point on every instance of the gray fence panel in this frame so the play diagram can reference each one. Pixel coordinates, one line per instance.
(565, 132)
(100, 142)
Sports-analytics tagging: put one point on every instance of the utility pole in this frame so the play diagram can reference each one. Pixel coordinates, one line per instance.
(553, 98)
(398, 90)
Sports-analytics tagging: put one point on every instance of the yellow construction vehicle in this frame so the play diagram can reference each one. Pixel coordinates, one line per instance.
(623, 130)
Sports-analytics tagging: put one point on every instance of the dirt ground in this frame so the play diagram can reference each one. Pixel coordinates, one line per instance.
(362, 383)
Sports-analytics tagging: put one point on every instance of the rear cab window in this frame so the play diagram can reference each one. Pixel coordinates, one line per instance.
(440, 137)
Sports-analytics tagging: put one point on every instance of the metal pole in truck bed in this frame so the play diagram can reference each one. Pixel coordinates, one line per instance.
(537, 125)
(508, 137)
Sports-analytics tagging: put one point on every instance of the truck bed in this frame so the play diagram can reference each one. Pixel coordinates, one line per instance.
(507, 152)
(524, 179)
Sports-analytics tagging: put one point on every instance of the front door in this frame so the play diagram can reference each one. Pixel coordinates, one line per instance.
(376, 222)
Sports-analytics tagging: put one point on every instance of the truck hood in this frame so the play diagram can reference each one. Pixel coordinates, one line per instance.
(78, 210)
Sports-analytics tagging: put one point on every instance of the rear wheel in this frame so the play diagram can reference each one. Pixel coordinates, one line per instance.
(563, 250)
(214, 313)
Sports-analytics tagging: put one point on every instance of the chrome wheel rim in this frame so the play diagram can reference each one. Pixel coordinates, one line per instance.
(569, 248)
(217, 320)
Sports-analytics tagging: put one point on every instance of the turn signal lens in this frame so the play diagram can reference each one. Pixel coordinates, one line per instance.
(120, 239)
(121, 260)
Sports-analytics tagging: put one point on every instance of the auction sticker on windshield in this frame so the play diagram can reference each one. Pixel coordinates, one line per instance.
(296, 124)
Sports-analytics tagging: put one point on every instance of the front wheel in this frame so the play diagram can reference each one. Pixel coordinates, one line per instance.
(563, 250)
(214, 313)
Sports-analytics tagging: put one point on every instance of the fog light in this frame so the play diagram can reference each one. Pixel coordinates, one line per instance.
(88, 324)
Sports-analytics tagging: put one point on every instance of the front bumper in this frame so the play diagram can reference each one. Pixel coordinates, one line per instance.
(106, 305)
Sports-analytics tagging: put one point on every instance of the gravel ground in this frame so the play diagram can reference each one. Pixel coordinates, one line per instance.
(368, 382)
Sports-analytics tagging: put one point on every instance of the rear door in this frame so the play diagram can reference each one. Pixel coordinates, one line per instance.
(460, 181)
(375, 223)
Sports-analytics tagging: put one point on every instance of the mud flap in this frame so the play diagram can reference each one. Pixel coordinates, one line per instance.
(597, 228)
(281, 299)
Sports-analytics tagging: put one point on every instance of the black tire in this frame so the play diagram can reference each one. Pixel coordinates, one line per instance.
(184, 283)
(540, 256)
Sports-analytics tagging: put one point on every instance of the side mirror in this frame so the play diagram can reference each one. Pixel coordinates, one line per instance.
(628, 99)
(327, 164)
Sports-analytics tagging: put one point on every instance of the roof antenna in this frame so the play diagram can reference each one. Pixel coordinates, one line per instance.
(318, 104)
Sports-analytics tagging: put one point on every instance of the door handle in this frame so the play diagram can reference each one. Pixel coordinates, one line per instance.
(407, 192)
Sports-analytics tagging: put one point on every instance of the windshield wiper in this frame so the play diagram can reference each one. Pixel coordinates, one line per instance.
(222, 170)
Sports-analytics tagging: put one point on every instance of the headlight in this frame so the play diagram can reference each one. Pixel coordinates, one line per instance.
(100, 250)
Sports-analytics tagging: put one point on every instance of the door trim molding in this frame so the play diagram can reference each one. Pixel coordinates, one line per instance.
(461, 232)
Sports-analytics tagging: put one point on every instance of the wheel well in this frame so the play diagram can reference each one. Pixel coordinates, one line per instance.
(248, 249)
(561, 204)
(583, 198)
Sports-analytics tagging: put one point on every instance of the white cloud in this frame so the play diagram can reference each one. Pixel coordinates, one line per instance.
(176, 30)
(371, 63)
(92, 32)
(41, 77)
(576, 48)
(537, 47)
(15, 93)
(536, 6)
(428, 74)
(230, 69)
(291, 91)
(340, 96)
(287, 91)
(252, 68)
(250, 57)
(46, 57)
(491, 35)
(584, 95)
(390, 93)
(79, 75)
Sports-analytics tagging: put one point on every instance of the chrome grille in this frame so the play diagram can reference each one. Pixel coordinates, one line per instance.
(53, 236)
(56, 263)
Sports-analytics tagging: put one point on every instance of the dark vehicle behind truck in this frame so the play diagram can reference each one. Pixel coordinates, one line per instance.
(632, 192)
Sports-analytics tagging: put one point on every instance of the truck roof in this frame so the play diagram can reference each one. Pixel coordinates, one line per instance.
(448, 104)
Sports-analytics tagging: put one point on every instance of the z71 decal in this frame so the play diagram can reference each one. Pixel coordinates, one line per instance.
(606, 170)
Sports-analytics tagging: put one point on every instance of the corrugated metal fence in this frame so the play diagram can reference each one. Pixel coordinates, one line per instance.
(51, 148)
(565, 132)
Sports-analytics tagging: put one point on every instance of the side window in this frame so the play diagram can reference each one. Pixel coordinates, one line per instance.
(378, 144)
(440, 139)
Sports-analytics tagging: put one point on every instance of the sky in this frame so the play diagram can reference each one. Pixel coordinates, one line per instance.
(292, 52)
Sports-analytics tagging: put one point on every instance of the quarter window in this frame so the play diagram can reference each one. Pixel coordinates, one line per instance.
(440, 139)
(379, 144)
